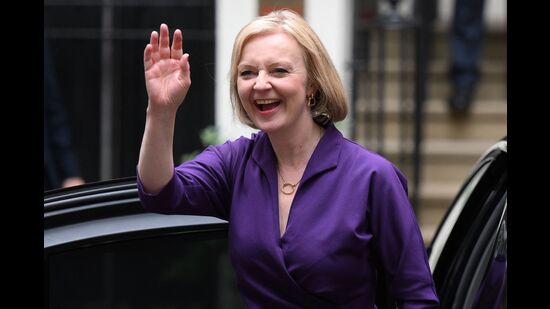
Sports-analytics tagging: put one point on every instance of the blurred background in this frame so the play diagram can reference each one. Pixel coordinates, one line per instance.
(393, 56)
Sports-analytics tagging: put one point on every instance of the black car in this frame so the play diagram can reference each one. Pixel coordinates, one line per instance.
(468, 254)
(101, 250)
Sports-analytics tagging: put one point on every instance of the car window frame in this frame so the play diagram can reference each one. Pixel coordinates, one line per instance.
(448, 253)
(450, 218)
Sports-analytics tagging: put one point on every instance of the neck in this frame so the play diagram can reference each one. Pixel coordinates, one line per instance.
(294, 149)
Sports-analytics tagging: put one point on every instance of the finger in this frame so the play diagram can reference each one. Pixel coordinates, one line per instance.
(185, 66)
(164, 42)
(155, 46)
(147, 57)
(177, 45)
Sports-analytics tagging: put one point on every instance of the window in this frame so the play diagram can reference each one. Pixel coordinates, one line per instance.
(189, 270)
(469, 269)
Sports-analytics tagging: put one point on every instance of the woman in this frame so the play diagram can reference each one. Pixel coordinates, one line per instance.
(313, 217)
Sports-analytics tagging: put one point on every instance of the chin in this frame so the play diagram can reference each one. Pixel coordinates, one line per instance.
(267, 127)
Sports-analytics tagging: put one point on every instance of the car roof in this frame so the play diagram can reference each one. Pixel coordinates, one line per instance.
(106, 211)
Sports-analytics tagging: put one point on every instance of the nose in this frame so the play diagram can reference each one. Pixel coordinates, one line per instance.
(262, 81)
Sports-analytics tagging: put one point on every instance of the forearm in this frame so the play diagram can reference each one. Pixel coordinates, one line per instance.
(156, 161)
(167, 79)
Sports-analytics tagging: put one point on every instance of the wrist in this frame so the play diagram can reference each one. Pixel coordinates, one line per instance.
(163, 115)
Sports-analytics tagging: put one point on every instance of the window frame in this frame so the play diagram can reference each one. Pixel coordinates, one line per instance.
(460, 249)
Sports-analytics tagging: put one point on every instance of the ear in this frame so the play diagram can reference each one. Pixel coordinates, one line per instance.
(311, 90)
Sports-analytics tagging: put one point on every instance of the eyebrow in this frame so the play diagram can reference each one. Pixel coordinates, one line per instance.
(287, 64)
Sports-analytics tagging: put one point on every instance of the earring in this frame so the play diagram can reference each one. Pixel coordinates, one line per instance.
(310, 100)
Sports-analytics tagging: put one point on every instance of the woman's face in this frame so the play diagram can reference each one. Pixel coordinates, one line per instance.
(272, 81)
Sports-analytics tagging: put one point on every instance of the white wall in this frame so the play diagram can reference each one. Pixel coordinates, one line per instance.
(331, 20)
(231, 16)
(333, 23)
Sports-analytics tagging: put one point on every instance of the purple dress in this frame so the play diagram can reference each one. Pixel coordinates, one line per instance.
(349, 214)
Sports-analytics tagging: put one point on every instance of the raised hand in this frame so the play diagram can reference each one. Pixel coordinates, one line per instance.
(167, 70)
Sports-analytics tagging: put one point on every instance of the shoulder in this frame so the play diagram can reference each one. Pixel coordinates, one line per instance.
(360, 159)
(361, 156)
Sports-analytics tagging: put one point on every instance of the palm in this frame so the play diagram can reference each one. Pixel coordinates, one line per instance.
(167, 71)
(165, 83)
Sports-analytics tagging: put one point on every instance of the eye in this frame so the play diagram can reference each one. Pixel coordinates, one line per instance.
(280, 71)
(246, 73)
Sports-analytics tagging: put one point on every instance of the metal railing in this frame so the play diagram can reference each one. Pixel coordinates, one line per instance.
(379, 65)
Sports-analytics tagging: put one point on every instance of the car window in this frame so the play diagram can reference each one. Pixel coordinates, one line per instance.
(482, 281)
(463, 258)
(189, 270)
(452, 216)
(491, 292)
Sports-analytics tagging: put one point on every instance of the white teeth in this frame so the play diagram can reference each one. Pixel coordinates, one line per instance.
(261, 102)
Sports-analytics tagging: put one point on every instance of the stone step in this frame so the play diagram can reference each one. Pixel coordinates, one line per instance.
(443, 160)
(487, 89)
(428, 232)
(434, 106)
(451, 145)
(487, 120)
(458, 130)
(450, 151)
(435, 199)
(493, 46)
(492, 85)
(446, 170)
(437, 66)
(492, 65)
(450, 161)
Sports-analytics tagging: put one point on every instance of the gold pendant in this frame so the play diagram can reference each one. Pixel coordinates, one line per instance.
(288, 191)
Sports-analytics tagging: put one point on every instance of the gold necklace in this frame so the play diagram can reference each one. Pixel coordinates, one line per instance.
(287, 188)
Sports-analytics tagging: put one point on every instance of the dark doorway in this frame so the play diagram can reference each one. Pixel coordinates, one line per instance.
(97, 51)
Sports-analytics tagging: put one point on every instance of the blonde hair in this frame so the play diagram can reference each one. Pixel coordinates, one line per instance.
(329, 96)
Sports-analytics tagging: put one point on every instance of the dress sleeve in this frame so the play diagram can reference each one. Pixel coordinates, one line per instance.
(201, 186)
(398, 241)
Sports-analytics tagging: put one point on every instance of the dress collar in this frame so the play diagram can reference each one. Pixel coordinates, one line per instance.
(324, 157)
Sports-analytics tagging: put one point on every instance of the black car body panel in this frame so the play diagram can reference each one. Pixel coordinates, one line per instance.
(102, 250)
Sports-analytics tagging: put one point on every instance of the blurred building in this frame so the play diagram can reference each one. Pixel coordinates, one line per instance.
(97, 47)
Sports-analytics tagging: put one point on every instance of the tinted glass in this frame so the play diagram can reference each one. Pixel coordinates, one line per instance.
(492, 291)
(181, 271)
(462, 264)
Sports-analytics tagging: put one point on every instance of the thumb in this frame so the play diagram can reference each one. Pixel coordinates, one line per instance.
(185, 65)
(147, 57)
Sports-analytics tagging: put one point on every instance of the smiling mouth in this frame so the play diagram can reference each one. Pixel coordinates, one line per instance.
(266, 105)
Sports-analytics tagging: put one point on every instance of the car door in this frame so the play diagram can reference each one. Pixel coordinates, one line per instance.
(468, 255)
(101, 250)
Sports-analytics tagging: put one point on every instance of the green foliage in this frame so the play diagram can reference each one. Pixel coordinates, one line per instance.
(209, 136)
